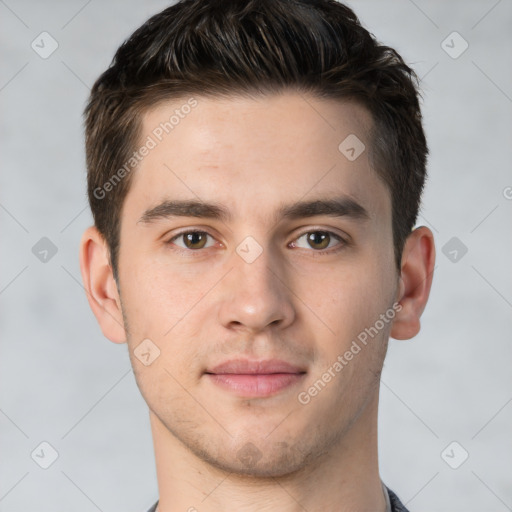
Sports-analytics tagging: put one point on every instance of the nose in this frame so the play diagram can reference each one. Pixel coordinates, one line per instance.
(256, 294)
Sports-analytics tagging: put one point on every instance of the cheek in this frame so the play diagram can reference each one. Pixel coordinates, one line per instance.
(156, 296)
(348, 298)
(167, 307)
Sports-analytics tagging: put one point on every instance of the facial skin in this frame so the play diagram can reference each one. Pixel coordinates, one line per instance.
(221, 449)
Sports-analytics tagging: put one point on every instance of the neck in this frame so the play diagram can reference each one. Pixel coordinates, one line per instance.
(346, 478)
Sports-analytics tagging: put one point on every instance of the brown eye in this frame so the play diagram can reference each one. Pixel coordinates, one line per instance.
(318, 239)
(321, 241)
(195, 240)
(192, 240)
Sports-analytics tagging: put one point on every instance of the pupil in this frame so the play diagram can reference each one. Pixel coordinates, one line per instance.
(194, 238)
(318, 237)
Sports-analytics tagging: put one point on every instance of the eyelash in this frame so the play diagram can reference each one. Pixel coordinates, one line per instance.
(337, 248)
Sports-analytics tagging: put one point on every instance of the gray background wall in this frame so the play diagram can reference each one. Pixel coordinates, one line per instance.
(62, 383)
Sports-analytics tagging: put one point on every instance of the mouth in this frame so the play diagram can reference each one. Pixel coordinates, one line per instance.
(251, 379)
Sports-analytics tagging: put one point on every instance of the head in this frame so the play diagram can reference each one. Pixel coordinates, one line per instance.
(246, 108)
(220, 49)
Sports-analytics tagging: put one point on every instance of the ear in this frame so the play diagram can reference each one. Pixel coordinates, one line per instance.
(100, 285)
(418, 259)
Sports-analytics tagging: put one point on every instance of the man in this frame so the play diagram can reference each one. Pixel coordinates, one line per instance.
(255, 170)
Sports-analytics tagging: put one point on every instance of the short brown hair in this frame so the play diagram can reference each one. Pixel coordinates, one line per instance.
(250, 47)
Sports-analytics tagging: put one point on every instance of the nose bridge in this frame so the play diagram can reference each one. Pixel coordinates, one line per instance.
(255, 271)
(255, 294)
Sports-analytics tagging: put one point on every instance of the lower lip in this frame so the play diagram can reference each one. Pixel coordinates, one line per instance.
(260, 385)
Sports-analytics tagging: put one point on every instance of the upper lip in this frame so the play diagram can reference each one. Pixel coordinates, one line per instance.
(247, 367)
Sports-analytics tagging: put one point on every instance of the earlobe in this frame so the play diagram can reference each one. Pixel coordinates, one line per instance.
(100, 285)
(418, 260)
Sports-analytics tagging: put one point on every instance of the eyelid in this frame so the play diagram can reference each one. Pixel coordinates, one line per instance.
(312, 229)
(186, 231)
(344, 240)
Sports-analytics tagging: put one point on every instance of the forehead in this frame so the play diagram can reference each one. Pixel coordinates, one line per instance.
(267, 148)
(253, 120)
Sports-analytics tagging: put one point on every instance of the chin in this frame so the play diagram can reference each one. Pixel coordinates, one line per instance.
(278, 459)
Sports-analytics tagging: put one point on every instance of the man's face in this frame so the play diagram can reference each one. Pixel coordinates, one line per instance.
(257, 286)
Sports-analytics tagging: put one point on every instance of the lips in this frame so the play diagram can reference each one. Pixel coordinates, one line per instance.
(246, 367)
(255, 378)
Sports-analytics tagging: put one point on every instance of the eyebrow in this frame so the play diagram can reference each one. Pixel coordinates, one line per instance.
(336, 207)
